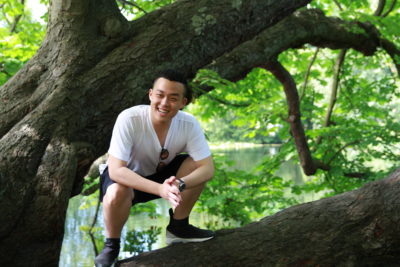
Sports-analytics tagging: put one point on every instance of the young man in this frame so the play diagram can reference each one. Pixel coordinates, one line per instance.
(145, 163)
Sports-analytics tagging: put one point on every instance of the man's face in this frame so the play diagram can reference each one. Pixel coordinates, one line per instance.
(166, 99)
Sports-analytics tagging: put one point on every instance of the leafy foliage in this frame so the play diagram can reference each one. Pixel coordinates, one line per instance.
(360, 144)
(137, 242)
(231, 112)
(20, 37)
(135, 9)
(237, 197)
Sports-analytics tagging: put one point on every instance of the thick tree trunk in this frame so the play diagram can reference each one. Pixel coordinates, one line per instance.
(357, 228)
(57, 113)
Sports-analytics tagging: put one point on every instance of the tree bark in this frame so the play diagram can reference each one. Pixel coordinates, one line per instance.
(57, 113)
(357, 228)
(296, 127)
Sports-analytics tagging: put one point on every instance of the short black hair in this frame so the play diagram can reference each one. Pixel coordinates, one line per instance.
(175, 76)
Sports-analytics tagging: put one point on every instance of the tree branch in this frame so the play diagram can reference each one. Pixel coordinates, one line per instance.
(92, 238)
(197, 89)
(17, 19)
(338, 5)
(392, 5)
(358, 175)
(356, 228)
(306, 26)
(134, 5)
(3, 70)
(334, 90)
(307, 75)
(296, 126)
(341, 149)
(5, 16)
(380, 7)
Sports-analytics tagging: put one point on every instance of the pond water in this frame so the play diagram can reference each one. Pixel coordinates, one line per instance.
(77, 249)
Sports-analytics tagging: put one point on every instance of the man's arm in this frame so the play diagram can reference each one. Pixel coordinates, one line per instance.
(124, 176)
(204, 172)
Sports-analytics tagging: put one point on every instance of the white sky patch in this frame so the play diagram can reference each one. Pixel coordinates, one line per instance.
(37, 9)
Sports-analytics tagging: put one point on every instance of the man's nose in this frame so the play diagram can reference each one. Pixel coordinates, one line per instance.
(164, 101)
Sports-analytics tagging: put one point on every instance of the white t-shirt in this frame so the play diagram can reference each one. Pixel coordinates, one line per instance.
(135, 141)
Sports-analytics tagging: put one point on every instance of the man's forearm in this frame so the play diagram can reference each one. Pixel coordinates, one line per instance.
(129, 178)
(199, 176)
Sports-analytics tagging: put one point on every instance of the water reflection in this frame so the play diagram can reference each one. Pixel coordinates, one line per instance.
(77, 249)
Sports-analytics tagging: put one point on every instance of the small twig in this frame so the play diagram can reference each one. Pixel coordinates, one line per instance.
(334, 90)
(338, 5)
(96, 251)
(16, 20)
(134, 5)
(359, 175)
(328, 178)
(222, 101)
(3, 70)
(380, 7)
(15, 23)
(5, 17)
(307, 76)
(390, 8)
(341, 149)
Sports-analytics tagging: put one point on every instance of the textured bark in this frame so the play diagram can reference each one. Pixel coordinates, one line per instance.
(357, 228)
(309, 26)
(57, 113)
(294, 116)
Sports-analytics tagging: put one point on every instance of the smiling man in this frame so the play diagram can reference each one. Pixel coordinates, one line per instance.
(155, 151)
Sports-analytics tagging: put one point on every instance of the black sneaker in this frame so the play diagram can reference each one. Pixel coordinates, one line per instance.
(109, 254)
(180, 231)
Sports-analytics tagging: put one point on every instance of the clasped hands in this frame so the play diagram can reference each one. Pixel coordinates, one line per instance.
(170, 191)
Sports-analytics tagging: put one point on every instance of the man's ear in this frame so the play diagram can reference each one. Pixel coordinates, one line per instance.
(150, 93)
(184, 102)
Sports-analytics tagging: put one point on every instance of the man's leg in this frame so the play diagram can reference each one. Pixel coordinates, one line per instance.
(189, 196)
(179, 229)
(116, 207)
(117, 203)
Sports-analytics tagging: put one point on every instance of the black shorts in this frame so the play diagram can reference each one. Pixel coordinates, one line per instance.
(139, 196)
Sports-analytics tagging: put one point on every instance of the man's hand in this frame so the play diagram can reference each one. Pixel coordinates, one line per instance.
(170, 192)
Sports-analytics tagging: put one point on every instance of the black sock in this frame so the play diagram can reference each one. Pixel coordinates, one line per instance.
(110, 251)
(175, 222)
(112, 242)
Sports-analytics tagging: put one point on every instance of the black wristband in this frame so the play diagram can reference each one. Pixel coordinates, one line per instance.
(182, 184)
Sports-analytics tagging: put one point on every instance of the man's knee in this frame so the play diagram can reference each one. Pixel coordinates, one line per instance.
(117, 194)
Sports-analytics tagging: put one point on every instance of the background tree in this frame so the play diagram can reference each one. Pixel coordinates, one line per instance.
(57, 112)
(358, 123)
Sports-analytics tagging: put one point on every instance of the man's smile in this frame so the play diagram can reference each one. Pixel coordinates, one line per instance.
(163, 111)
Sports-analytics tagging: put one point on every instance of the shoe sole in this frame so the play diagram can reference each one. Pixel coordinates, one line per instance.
(106, 265)
(172, 239)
